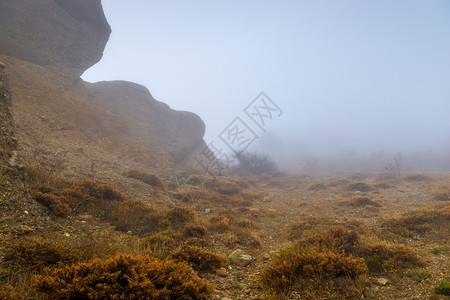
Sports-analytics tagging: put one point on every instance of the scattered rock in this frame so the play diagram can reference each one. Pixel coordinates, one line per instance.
(2, 65)
(382, 281)
(239, 258)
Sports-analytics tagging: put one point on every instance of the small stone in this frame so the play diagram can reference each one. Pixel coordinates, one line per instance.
(207, 210)
(222, 272)
(129, 232)
(26, 229)
(382, 281)
(266, 256)
(26, 212)
(66, 234)
(2, 65)
(239, 258)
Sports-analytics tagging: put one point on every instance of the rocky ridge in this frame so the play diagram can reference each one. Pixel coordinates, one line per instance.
(46, 45)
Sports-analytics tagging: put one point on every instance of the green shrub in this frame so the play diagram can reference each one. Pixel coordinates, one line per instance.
(442, 288)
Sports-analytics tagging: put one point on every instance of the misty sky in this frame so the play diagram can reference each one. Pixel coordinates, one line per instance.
(350, 76)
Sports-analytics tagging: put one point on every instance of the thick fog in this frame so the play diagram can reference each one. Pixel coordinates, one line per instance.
(355, 81)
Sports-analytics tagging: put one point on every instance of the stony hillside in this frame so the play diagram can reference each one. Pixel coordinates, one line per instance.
(19, 214)
(46, 45)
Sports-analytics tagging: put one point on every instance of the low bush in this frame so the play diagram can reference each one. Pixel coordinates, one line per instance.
(337, 238)
(360, 201)
(443, 288)
(33, 254)
(317, 187)
(197, 231)
(359, 186)
(441, 193)
(255, 163)
(417, 178)
(383, 258)
(133, 215)
(147, 178)
(228, 188)
(177, 217)
(63, 202)
(419, 221)
(199, 258)
(313, 272)
(124, 277)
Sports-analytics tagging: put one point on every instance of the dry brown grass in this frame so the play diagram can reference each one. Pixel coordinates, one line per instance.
(419, 221)
(360, 201)
(317, 187)
(359, 186)
(417, 178)
(441, 193)
(147, 178)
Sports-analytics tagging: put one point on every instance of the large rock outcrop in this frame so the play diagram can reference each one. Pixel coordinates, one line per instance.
(66, 34)
(46, 45)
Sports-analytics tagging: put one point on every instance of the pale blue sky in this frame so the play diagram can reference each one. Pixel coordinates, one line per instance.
(358, 76)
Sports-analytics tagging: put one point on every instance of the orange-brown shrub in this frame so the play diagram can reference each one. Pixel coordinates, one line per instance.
(418, 221)
(98, 191)
(228, 188)
(317, 187)
(417, 178)
(442, 193)
(147, 178)
(133, 215)
(124, 277)
(222, 223)
(63, 202)
(381, 258)
(199, 258)
(337, 238)
(359, 186)
(246, 182)
(311, 271)
(198, 231)
(179, 216)
(160, 244)
(33, 254)
(359, 201)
